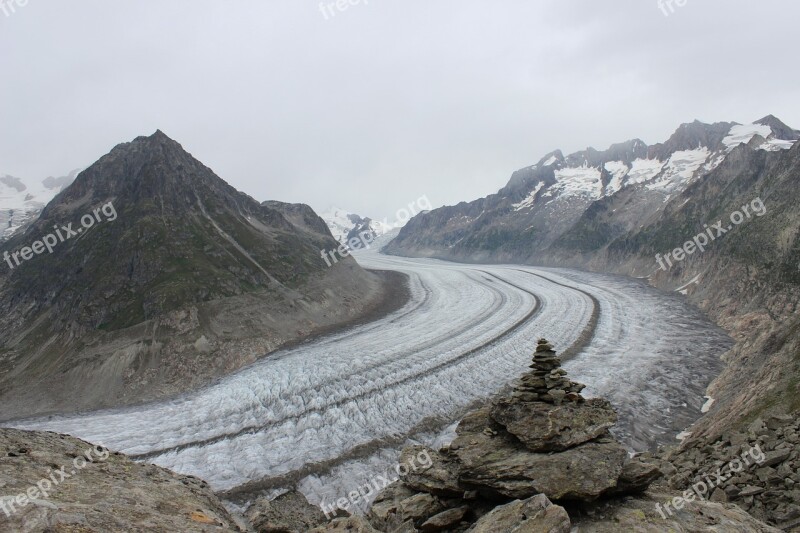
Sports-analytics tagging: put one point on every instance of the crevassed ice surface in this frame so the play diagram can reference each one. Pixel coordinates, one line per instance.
(345, 403)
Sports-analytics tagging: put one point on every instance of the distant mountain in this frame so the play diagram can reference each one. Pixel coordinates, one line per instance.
(541, 208)
(22, 201)
(345, 226)
(188, 280)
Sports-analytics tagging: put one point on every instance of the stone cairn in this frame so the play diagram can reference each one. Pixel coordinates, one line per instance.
(548, 382)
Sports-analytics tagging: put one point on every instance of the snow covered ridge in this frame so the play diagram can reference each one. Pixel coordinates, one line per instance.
(344, 225)
(21, 201)
(592, 175)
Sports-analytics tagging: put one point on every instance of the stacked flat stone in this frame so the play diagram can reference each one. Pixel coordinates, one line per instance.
(548, 382)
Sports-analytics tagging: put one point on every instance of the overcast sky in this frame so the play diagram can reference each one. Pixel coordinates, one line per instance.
(373, 107)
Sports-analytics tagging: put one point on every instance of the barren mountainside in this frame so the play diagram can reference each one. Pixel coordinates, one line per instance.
(179, 280)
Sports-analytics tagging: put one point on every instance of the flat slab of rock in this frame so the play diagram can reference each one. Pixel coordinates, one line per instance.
(445, 520)
(501, 464)
(545, 427)
(534, 515)
(636, 477)
(289, 513)
(440, 478)
(108, 494)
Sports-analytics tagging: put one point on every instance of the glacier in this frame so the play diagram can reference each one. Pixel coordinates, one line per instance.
(337, 409)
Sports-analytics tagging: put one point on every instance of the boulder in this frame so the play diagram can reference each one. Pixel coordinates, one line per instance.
(441, 478)
(534, 515)
(385, 510)
(419, 507)
(289, 513)
(445, 520)
(636, 477)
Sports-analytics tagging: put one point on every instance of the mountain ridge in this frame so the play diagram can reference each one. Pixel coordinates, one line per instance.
(748, 280)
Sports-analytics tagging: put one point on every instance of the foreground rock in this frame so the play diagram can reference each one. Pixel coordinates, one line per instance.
(494, 462)
(288, 513)
(100, 491)
(352, 524)
(534, 515)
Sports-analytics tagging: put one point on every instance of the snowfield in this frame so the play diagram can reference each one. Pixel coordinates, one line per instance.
(337, 409)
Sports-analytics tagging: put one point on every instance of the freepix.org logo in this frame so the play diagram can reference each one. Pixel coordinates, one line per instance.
(9, 7)
(61, 234)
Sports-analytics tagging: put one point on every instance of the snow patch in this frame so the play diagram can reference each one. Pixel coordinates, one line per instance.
(680, 170)
(618, 171)
(694, 281)
(531, 198)
(22, 201)
(582, 181)
(707, 406)
(774, 145)
(644, 170)
(744, 133)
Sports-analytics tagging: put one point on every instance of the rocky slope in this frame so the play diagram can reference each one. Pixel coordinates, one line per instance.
(21, 202)
(767, 485)
(167, 279)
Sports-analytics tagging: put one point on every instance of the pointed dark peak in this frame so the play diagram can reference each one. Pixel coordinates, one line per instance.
(779, 128)
(158, 138)
(152, 167)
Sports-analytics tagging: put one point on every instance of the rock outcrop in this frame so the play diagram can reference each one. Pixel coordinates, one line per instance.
(288, 513)
(640, 514)
(55, 483)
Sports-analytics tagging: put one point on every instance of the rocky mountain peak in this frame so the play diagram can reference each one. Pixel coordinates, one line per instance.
(779, 128)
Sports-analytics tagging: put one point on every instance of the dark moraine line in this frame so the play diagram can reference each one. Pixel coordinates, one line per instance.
(591, 328)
